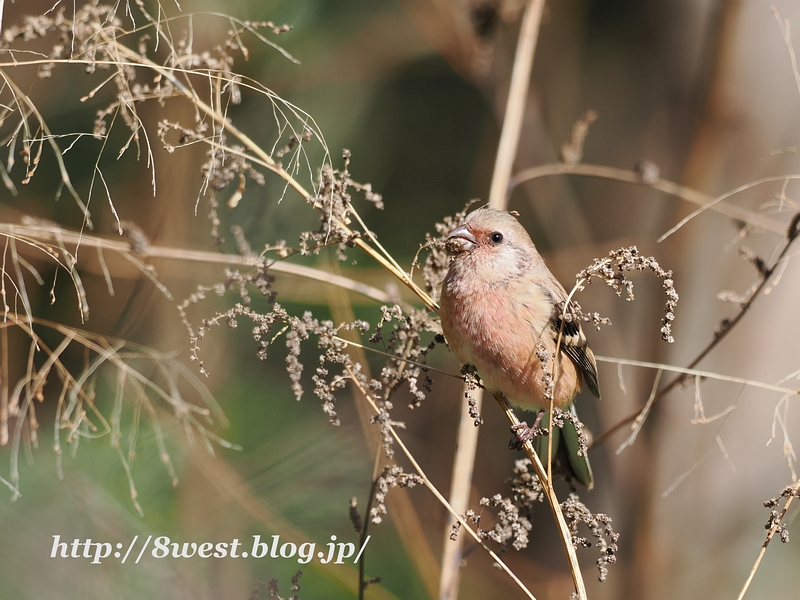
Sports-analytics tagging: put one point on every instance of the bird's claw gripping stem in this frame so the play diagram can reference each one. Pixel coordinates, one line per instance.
(524, 434)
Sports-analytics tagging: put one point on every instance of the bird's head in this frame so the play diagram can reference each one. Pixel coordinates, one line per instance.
(492, 242)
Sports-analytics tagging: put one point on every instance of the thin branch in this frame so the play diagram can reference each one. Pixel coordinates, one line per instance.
(697, 373)
(48, 233)
(402, 359)
(721, 197)
(668, 187)
(515, 105)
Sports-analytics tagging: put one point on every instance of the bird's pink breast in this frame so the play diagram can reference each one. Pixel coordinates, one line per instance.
(497, 329)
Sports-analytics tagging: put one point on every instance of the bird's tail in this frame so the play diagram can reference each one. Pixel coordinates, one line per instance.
(565, 452)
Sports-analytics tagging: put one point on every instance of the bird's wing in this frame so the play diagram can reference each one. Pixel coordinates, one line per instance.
(575, 345)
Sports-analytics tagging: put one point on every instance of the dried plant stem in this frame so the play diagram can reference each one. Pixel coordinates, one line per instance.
(40, 233)
(697, 373)
(698, 198)
(362, 563)
(515, 105)
(435, 491)
(770, 535)
(467, 440)
(552, 500)
(764, 278)
(460, 486)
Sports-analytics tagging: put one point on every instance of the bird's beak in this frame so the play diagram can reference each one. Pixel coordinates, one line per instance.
(461, 239)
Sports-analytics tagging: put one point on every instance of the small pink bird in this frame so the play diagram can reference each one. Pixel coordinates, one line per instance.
(499, 300)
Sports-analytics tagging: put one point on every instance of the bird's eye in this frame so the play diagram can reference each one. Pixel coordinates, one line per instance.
(496, 237)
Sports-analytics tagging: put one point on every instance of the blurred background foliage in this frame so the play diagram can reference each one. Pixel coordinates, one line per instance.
(415, 89)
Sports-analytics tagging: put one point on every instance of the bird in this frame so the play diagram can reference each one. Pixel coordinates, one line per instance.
(500, 306)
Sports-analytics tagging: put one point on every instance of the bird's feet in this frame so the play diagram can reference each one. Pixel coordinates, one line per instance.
(524, 434)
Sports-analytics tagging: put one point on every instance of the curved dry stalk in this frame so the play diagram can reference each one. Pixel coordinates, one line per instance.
(697, 373)
(668, 187)
(35, 234)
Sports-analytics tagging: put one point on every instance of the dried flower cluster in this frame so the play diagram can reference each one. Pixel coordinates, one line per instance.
(335, 366)
(473, 382)
(437, 262)
(576, 512)
(511, 525)
(526, 489)
(574, 312)
(334, 202)
(559, 416)
(776, 518)
(260, 278)
(405, 343)
(612, 270)
(393, 476)
(514, 512)
(546, 360)
(269, 326)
